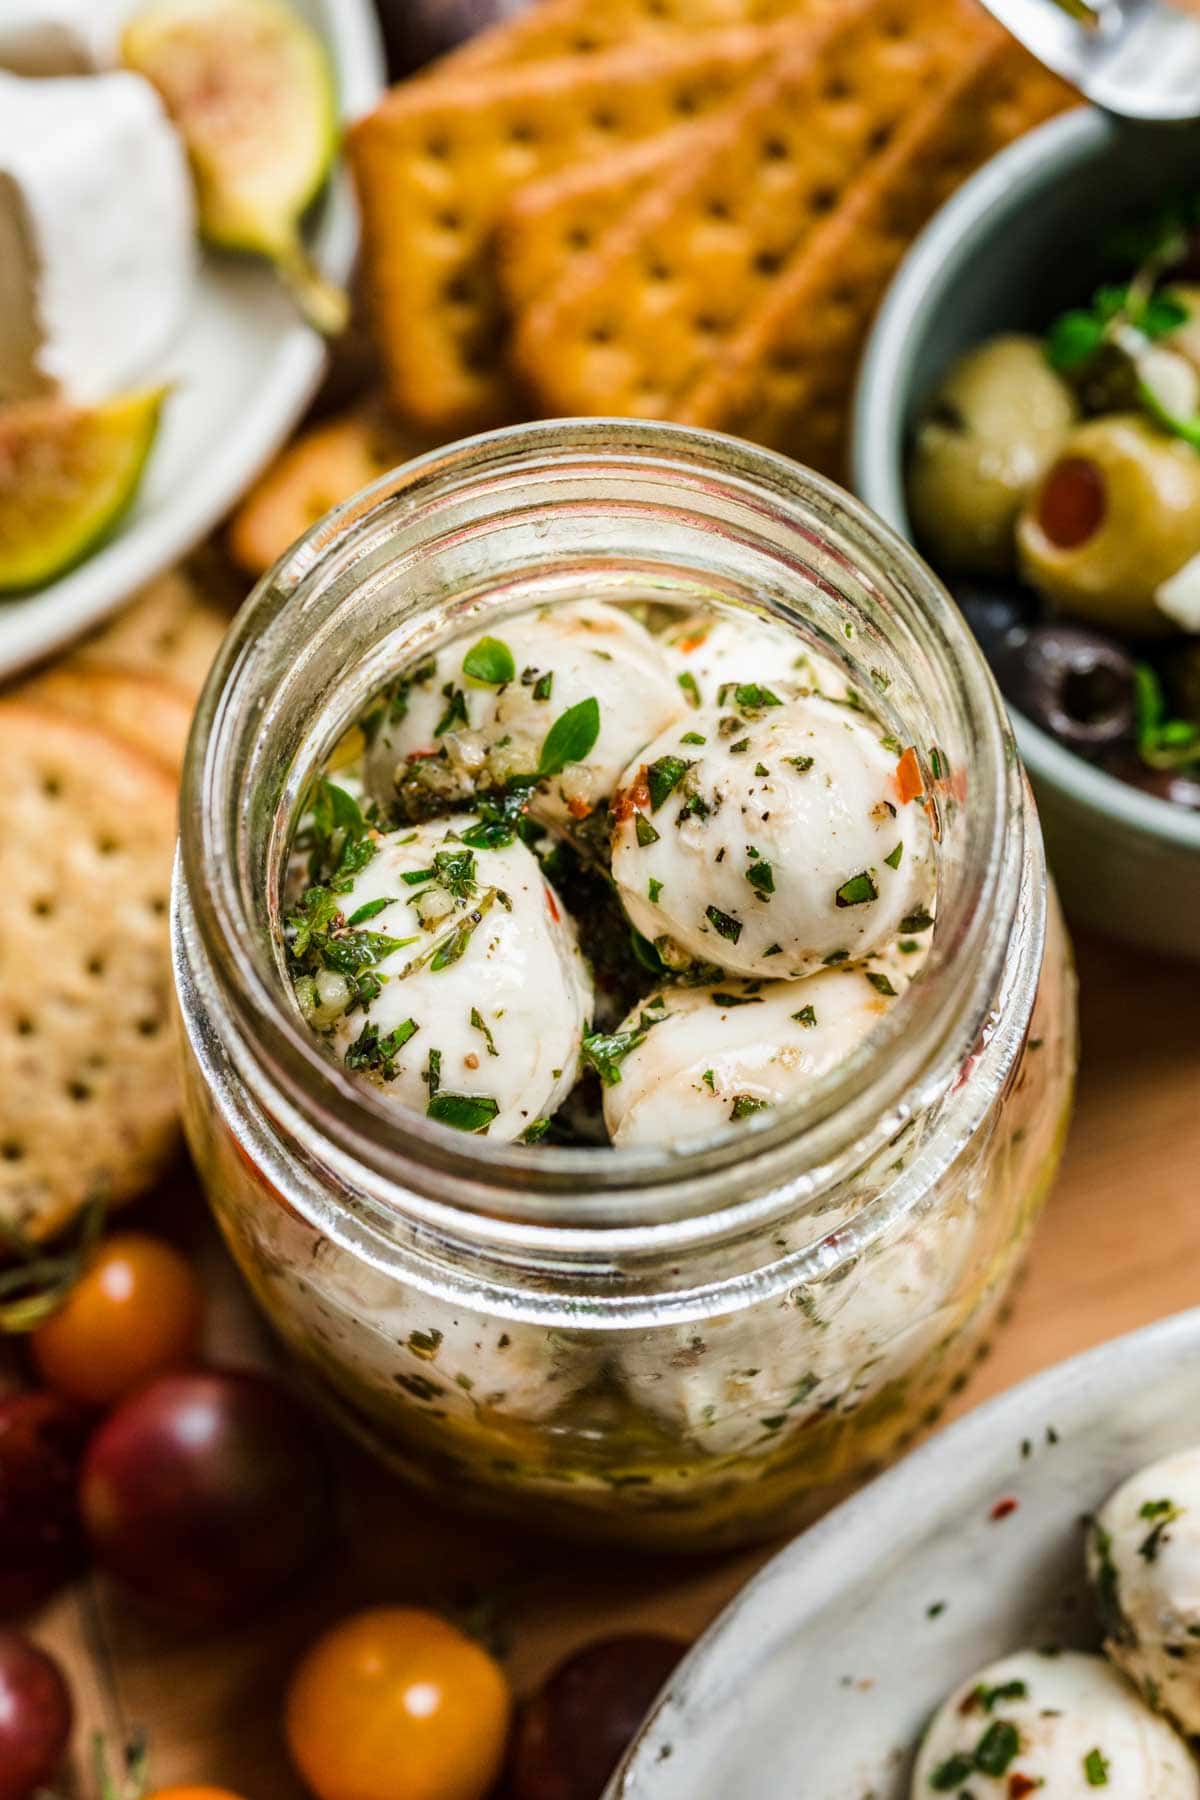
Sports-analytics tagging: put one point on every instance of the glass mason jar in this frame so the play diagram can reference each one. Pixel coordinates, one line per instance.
(686, 1348)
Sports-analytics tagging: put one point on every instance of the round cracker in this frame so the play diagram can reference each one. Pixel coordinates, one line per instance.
(147, 711)
(87, 1068)
(173, 628)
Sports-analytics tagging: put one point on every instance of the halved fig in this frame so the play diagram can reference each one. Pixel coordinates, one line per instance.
(67, 474)
(251, 89)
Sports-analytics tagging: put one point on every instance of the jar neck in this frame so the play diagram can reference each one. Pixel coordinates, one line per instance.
(517, 518)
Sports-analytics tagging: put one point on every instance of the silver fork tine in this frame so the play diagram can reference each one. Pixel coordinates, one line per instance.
(1139, 59)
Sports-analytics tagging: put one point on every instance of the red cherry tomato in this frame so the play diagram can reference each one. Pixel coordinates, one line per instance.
(42, 1440)
(35, 1717)
(574, 1731)
(1072, 503)
(396, 1704)
(134, 1314)
(207, 1493)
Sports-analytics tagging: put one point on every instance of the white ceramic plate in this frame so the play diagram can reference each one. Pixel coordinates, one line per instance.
(244, 367)
(817, 1681)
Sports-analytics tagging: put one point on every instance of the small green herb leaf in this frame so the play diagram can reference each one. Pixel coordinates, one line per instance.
(490, 661)
(663, 776)
(806, 1016)
(745, 1104)
(477, 1021)
(892, 859)
(858, 891)
(724, 923)
(466, 1112)
(646, 834)
(761, 877)
(1095, 1768)
(571, 737)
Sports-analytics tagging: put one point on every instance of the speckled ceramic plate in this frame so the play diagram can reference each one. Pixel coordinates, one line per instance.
(817, 1681)
(243, 369)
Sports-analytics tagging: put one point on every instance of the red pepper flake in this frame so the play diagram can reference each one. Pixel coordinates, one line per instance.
(552, 904)
(692, 641)
(910, 784)
(1019, 1785)
(1003, 1508)
(578, 809)
(423, 755)
(636, 798)
(970, 1702)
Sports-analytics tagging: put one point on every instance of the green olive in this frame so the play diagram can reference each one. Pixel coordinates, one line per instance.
(994, 425)
(1116, 514)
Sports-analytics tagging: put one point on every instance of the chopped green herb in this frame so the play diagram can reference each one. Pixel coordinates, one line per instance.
(455, 713)
(880, 983)
(543, 685)
(937, 763)
(432, 1076)
(414, 877)
(745, 1104)
(906, 946)
(571, 737)
(687, 682)
(996, 1748)
(742, 744)
(491, 662)
(857, 891)
(694, 807)
(455, 870)
(606, 1051)
(654, 889)
(534, 1133)
(951, 1774)
(761, 877)
(693, 737)
(721, 998)
(724, 923)
(834, 957)
(801, 764)
(646, 834)
(806, 1016)
(376, 1055)
(1162, 1513)
(761, 769)
(368, 910)
(915, 922)
(748, 696)
(450, 948)
(1095, 1768)
(880, 681)
(710, 1080)
(477, 1021)
(990, 1697)
(892, 859)
(663, 776)
(466, 1112)
(425, 1344)
(935, 1609)
(773, 950)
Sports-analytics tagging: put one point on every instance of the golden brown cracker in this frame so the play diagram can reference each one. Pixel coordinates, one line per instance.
(786, 380)
(87, 1063)
(324, 466)
(554, 28)
(550, 224)
(172, 628)
(638, 322)
(148, 711)
(436, 163)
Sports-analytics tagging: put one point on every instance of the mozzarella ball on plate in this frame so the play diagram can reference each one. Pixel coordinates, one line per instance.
(769, 838)
(1065, 1725)
(692, 1060)
(484, 996)
(1144, 1565)
(707, 651)
(482, 710)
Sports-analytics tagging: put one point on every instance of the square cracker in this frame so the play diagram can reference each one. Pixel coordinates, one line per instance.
(786, 379)
(636, 324)
(436, 163)
(552, 28)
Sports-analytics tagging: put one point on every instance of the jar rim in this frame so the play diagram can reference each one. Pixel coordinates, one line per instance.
(904, 1065)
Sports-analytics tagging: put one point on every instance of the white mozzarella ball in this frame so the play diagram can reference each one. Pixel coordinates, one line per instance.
(561, 657)
(485, 997)
(706, 651)
(704, 1057)
(1067, 1723)
(768, 838)
(1144, 1563)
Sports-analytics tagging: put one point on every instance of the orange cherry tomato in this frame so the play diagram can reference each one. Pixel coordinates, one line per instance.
(396, 1704)
(133, 1314)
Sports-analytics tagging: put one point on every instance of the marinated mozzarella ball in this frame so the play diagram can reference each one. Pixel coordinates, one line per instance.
(1144, 1564)
(484, 997)
(1065, 1724)
(995, 423)
(708, 651)
(692, 1060)
(480, 711)
(1116, 515)
(769, 837)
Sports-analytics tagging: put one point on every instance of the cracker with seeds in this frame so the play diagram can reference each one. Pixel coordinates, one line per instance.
(173, 628)
(786, 379)
(436, 163)
(635, 325)
(87, 1070)
(148, 711)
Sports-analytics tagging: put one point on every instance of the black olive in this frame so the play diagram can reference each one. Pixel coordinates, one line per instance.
(1179, 786)
(994, 610)
(1075, 683)
(1181, 677)
(571, 1736)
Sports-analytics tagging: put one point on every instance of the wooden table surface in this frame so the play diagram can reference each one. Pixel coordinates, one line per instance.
(1118, 1246)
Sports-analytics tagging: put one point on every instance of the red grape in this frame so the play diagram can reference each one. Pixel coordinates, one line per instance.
(42, 1439)
(35, 1717)
(572, 1734)
(206, 1493)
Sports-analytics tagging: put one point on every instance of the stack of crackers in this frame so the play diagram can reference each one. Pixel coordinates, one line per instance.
(91, 752)
(680, 209)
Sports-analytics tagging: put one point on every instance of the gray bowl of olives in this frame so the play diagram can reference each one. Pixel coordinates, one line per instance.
(1029, 414)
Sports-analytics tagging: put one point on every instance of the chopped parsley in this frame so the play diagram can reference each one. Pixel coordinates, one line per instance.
(835, 957)
(892, 859)
(693, 737)
(490, 661)
(806, 1016)
(368, 910)
(456, 710)
(990, 1697)
(646, 834)
(801, 764)
(432, 1076)
(1095, 1768)
(534, 1133)
(858, 891)
(709, 1079)
(721, 998)
(653, 889)
(663, 776)
(724, 923)
(466, 1112)
(375, 1055)
(748, 696)
(543, 685)
(1160, 1513)
(997, 1747)
(761, 877)
(687, 682)
(880, 983)
(571, 737)
(606, 1051)
(915, 922)
(455, 870)
(479, 1024)
(742, 744)
(951, 1774)
(744, 1105)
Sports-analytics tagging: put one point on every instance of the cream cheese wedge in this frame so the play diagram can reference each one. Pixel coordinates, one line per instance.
(97, 235)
